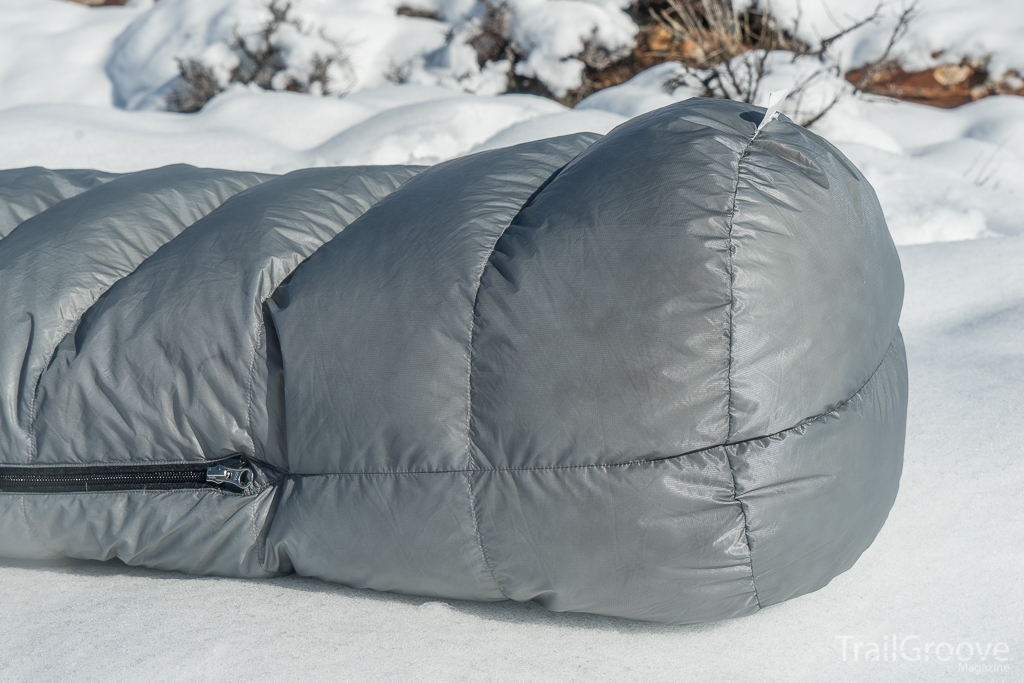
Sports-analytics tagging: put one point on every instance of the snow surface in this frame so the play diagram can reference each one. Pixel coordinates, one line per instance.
(82, 87)
(56, 51)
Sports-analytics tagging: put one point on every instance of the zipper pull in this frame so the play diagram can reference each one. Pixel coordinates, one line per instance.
(237, 477)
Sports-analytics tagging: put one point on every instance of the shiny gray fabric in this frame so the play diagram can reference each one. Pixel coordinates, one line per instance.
(655, 374)
(24, 192)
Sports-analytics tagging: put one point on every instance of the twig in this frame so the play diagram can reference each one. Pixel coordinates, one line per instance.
(898, 31)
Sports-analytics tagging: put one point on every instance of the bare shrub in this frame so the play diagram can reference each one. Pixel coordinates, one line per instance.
(406, 11)
(397, 73)
(731, 54)
(717, 34)
(261, 61)
(199, 87)
(493, 41)
(886, 61)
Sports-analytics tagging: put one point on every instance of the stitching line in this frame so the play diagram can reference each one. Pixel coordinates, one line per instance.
(64, 330)
(746, 526)
(479, 537)
(803, 424)
(732, 284)
(469, 402)
(31, 529)
(469, 371)
(730, 335)
(834, 412)
(472, 336)
(255, 530)
(251, 382)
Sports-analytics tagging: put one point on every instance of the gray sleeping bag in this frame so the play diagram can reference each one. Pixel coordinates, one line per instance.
(655, 374)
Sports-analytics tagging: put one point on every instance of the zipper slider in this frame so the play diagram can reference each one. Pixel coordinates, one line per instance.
(237, 477)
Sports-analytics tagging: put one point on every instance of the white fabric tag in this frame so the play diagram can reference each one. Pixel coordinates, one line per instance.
(774, 100)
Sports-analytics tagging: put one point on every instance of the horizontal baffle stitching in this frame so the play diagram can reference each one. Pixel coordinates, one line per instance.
(651, 461)
(803, 424)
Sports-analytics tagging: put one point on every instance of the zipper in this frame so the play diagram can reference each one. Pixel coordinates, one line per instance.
(231, 474)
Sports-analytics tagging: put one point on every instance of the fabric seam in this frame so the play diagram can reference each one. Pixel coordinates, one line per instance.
(472, 334)
(31, 530)
(65, 330)
(631, 463)
(471, 461)
(251, 381)
(732, 289)
(746, 525)
(731, 334)
(479, 537)
(651, 461)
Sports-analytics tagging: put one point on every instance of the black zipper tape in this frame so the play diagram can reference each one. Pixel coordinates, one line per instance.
(231, 474)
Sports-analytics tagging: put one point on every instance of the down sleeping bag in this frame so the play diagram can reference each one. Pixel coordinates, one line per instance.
(655, 374)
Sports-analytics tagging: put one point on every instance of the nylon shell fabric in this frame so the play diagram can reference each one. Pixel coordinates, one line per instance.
(655, 374)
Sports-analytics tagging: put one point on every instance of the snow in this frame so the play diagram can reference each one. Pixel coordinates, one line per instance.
(276, 132)
(376, 40)
(643, 93)
(550, 125)
(142, 64)
(428, 132)
(552, 32)
(56, 51)
(960, 174)
(82, 87)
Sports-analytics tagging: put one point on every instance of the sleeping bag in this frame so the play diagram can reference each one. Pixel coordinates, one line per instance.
(655, 374)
